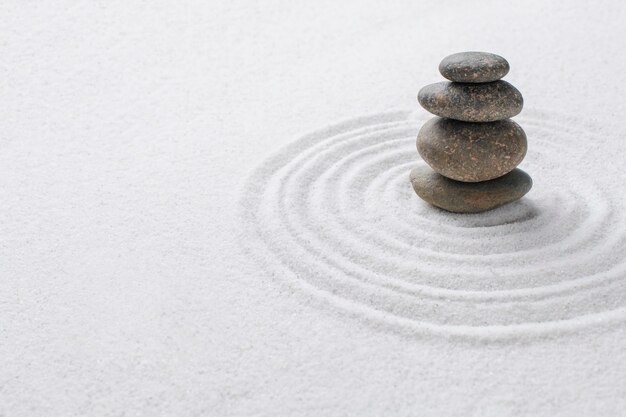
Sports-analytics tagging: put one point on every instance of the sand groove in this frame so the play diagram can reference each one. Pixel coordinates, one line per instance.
(334, 214)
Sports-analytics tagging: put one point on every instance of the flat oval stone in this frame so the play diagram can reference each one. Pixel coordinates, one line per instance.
(474, 67)
(485, 102)
(468, 197)
(471, 152)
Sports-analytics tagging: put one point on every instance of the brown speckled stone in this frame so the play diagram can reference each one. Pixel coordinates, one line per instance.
(465, 197)
(484, 102)
(474, 67)
(471, 152)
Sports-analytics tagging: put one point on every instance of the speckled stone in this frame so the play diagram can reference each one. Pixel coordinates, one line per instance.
(474, 67)
(465, 197)
(484, 102)
(471, 152)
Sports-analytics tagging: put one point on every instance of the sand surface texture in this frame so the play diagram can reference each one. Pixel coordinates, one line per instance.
(206, 211)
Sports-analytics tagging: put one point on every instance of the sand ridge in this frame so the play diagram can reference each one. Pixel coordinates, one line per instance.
(336, 212)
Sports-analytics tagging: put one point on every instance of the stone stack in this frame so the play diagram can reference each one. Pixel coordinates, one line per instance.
(473, 147)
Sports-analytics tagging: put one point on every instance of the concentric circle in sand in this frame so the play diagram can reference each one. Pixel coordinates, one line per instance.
(334, 215)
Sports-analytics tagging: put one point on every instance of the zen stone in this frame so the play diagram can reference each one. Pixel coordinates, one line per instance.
(474, 67)
(485, 102)
(471, 152)
(465, 197)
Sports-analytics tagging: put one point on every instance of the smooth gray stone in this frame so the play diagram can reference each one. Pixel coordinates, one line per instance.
(473, 67)
(484, 102)
(469, 197)
(471, 152)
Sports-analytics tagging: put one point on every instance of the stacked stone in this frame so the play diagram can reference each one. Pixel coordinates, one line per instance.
(473, 147)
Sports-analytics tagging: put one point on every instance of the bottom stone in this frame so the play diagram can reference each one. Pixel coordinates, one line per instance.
(469, 197)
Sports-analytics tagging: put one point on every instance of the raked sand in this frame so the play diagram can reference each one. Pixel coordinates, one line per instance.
(336, 211)
(206, 211)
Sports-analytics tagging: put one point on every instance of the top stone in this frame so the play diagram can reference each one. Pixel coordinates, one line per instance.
(473, 67)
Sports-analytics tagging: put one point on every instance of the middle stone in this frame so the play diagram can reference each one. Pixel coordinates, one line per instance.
(472, 102)
(471, 152)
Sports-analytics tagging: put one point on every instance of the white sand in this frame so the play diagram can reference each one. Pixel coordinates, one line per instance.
(335, 210)
(206, 211)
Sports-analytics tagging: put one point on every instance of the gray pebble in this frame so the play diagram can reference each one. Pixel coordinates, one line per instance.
(485, 102)
(471, 152)
(473, 67)
(465, 197)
